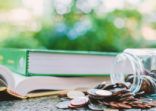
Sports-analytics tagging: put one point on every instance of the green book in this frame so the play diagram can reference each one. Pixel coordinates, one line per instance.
(33, 62)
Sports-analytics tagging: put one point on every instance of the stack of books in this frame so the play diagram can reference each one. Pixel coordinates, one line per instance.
(28, 73)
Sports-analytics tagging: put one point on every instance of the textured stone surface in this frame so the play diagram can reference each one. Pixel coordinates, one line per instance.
(41, 104)
(34, 104)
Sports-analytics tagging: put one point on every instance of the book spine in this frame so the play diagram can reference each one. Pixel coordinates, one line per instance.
(27, 63)
(15, 60)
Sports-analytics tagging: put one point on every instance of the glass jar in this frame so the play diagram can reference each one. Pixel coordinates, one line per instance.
(136, 67)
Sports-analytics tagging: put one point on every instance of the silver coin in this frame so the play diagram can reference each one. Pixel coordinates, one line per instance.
(152, 109)
(96, 107)
(63, 105)
(80, 101)
(128, 84)
(75, 94)
(103, 93)
(109, 109)
(64, 99)
(135, 110)
(92, 92)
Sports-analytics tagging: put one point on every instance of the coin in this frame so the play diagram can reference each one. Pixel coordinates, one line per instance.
(114, 105)
(120, 92)
(72, 107)
(125, 106)
(104, 103)
(152, 103)
(75, 94)
(141, 106)
(64, 99)
(109, 86)
(109, 109)
(129, 78)
(63, 105)
(121, 85)
(101, 85)
(133, 110)
(146, 86)
(103, 93)
(139, 94)
(92, 92)
(76, 107)
(96, 107)
(128, 84)
(126, 95)
(109, 95)
(152, 109)
(80, 101)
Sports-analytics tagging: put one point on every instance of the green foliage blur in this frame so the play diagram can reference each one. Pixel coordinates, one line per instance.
(76, 30)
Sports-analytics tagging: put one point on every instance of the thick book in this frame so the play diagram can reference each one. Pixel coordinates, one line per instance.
(32, 62)
(35, 86)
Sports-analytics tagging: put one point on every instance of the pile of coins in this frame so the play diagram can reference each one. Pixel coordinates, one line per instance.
(104, 96)
(118, 96)
(74, 100)
(148, 81)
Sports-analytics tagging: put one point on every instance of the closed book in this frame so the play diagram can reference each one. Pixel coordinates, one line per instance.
(33, 62)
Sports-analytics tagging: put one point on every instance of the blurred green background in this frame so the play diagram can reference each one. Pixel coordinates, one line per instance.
(97, 25)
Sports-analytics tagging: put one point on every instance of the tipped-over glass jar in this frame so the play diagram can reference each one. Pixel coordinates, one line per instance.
(136, 67)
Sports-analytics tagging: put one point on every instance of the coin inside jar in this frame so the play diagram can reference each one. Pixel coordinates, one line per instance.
(103, 93)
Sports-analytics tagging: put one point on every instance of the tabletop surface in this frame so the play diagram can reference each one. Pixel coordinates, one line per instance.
(42, 104)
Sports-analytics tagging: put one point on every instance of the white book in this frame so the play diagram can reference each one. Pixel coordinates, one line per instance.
(22, 86)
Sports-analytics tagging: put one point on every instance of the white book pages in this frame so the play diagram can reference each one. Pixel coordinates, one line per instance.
(23, 85)
(47, 63)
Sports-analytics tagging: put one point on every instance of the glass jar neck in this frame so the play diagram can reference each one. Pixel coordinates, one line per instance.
(126, 64)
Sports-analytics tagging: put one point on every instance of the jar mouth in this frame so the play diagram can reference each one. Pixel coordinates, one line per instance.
(124, 65)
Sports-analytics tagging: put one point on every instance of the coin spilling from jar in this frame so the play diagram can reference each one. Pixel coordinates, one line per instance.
(106, 96)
